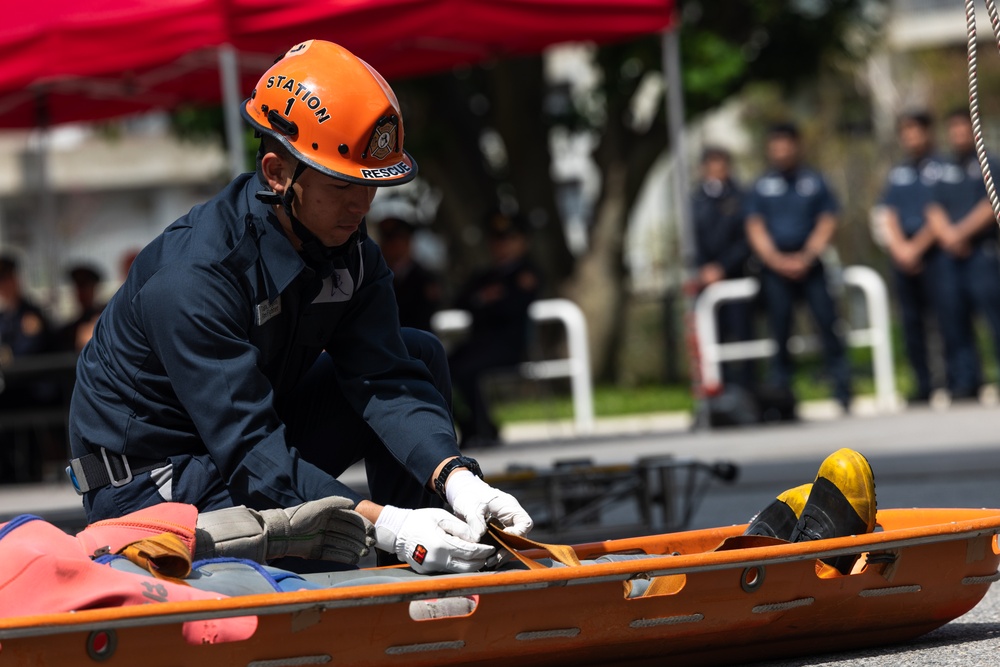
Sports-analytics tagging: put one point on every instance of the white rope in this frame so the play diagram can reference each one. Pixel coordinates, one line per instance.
(782, 606)
(421, 648)
(891, 590)
(977, 129)
(988, 579)
(292, 662)
(665, 620)
(547, 634)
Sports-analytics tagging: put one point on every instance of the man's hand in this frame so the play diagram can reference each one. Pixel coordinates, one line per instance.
(954, 242)
(711, 273)
(793, 266)
(326, 529)
(430, 540)
(907, 257)
(476, 501)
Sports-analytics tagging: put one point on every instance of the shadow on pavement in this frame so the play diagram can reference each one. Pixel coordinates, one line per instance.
(939, 647)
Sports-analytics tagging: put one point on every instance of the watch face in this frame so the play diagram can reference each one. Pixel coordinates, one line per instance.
(471, 464)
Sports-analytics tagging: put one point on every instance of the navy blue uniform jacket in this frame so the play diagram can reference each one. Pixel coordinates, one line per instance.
(791, 204)
(192, 353)
(961, 188)
(720, 232)
(909, 189)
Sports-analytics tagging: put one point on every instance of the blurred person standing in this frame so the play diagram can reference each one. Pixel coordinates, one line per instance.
(72, 336)
(910, 240)
(722, 251)
(417, 288)
(967, 271)
(498, 299)
(792, 217)
(24, 329)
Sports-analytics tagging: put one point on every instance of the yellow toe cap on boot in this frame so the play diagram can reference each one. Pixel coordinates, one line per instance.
(851, 473)
(796, 498)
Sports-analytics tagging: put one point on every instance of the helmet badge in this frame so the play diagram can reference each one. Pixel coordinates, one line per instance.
(384, 139)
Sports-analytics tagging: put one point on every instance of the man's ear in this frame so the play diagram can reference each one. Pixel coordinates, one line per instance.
(275, 172)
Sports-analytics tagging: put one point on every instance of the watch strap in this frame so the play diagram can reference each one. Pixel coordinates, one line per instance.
(458, 462)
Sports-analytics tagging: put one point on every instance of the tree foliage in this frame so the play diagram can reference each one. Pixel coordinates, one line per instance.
(727, 45)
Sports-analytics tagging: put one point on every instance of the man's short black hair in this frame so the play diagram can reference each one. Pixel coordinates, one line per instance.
(84, 274)
(715, 153)
(395, 227)
(784, 130)
(959, 113)
(269, 144)
(8, 266)
(920, 117)
(500, 225)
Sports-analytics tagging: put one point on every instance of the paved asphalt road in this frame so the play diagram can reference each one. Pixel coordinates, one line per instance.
(923, 458)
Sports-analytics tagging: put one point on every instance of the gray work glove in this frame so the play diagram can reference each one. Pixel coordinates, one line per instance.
(327, 529)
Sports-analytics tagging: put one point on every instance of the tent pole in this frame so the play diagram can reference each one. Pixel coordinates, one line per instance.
(675, 129)
(671, 53)
(38, 182)
(229, 75)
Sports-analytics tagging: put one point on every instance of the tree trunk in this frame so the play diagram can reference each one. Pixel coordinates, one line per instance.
(597, 284)
(518, 97)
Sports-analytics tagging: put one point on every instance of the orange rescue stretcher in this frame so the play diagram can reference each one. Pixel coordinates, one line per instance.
(719, 599)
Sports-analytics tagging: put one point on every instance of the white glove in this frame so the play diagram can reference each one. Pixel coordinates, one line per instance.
(476, 501)
(430, 540)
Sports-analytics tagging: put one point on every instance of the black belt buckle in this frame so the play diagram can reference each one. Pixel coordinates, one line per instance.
(111, 473)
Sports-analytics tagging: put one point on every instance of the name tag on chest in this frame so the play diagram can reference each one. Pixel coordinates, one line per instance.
(266, 310)
(337, 287)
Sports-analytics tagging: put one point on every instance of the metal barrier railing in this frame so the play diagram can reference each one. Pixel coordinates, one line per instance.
(576, 366)
(877, 335)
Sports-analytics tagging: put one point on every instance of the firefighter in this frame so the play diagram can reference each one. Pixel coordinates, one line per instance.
(254, 351)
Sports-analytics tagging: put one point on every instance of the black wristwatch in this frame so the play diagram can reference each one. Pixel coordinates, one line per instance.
(457, 462)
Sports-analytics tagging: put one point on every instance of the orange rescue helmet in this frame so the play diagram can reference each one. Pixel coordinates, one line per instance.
(335, 113)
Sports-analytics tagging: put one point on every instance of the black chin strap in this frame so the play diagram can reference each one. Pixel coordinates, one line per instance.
(317, 256)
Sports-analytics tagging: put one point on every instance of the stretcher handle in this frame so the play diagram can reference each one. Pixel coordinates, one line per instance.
(512, 543)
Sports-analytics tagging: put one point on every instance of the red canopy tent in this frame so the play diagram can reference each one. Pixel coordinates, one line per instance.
(79, 60)
(66, 60)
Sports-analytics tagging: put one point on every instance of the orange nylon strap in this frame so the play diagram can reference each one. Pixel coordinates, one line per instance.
(165, 556)
(512, 543)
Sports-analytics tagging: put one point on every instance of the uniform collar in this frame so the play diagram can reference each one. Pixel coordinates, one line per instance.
(921, 162)
(966, 158)
(281, 263)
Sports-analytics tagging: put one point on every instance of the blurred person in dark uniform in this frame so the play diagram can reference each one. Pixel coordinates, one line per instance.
(74, 335)
(498, 299)
(910, 240)
(417, 288)
(24, 331)
(792, 217)
(967, 272)
(723, 251)
(23, 328)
